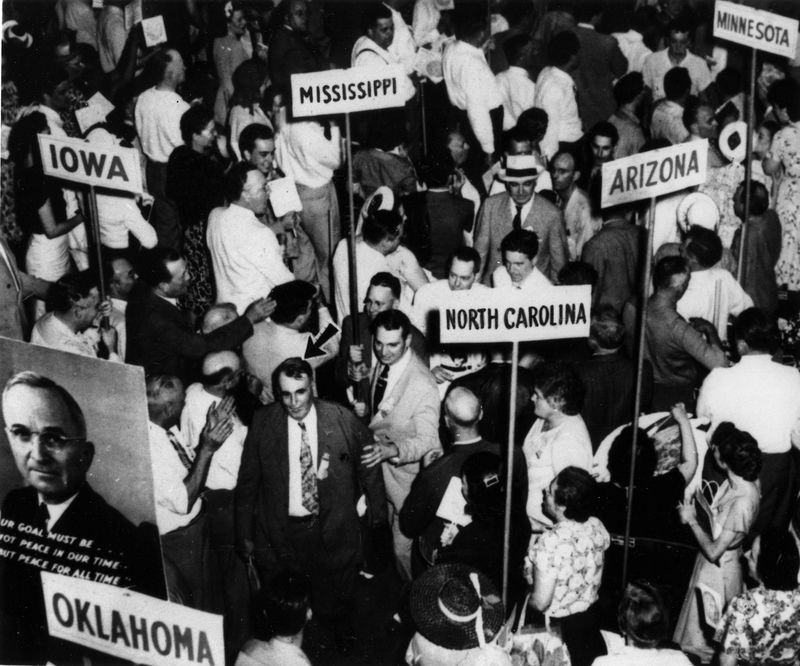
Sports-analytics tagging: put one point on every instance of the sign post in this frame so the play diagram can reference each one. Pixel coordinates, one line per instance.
(645, 176)
(763, 31)
(346, 91)
(109, 167)
(511, 315)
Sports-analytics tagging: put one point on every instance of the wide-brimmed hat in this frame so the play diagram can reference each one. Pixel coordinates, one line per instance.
(733, 141)
(520, 168)
(452, 603)
(697, 209)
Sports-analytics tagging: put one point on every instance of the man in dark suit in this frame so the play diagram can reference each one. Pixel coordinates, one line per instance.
(298, 486)
(162, 337)
(518, 208)
(353, 365)
(418, 519)
(600, 65)
(58, 515)
(290, 48)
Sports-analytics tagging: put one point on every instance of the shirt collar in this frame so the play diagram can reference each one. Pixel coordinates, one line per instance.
(56, 510)
(464, 442)
(588, 26)
(310, 419)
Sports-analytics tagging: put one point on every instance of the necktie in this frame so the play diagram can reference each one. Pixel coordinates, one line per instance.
(41, 516)
(517, 221)
(179, 450)
(380, 388)
(308, 477)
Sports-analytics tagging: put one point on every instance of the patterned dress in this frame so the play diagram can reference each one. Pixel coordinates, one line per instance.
(786, 149)
(9, 228)
(762, 626)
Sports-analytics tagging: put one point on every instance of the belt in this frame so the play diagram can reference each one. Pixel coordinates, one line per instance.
(310, 518)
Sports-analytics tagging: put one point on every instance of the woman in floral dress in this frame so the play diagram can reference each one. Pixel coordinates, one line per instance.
(762, 626)
(784, 160)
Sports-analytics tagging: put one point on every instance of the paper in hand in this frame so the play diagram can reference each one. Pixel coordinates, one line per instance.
(451, 508)
(283, 196)
(99, 107)
(155, 32)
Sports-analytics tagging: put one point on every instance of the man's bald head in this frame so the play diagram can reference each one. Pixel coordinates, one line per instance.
(218, 315)
(462, 408)
(223, 360)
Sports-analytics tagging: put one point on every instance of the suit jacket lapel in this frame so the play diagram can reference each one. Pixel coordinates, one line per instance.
(281, 448)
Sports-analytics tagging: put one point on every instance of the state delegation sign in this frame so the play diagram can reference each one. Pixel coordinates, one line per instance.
(761, 30)
(130, 625)
(347, 90)
(655, 172)
(78, 161)
(508, 315)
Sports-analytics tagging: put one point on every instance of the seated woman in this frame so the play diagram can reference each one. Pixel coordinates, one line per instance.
(643, 622)
(656, 497)
(286, 609)
(565, 565)
(726, 522)
(762, 625)
(558, 438)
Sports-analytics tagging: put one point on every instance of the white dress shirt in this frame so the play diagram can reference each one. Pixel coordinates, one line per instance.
(532, 282)
(581, 226)
(172, 501)
(715, 295)
(432, 296)
(303, 152)
(657, 64)
(366, 53)
(111, 36)
(117, 320)
(471, 87)
(295, 433)
(518, 93)
(667, 122)
(158, 122)
(246, 256)
(50, 331)
(555, 93)
(631, 44)
(395, 372)
(758, 396)
(224, 468)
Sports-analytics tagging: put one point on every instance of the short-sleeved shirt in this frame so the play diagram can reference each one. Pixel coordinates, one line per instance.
(762, 626)
(573, 552)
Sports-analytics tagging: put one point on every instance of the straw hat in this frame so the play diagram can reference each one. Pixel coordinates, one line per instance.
(733, 141)
(452, 603)
(697, 209)
(520, 168)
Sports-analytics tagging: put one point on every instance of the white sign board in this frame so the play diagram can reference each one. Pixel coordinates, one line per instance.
(655, 172)
(507, 315)
(347, 90)
(133, 626)
(115, 168)
(761, 30)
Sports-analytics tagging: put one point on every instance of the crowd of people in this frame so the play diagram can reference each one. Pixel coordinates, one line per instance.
(307, 423)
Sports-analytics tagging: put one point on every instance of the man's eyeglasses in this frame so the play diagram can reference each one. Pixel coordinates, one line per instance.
(52, 441)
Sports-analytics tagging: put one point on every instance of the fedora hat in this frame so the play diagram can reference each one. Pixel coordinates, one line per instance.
(697, 209)
(520, 168)
(456, 607)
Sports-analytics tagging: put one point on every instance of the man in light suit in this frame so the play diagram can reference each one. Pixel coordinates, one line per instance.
(299, 482)
(404, 404)
(519, 208)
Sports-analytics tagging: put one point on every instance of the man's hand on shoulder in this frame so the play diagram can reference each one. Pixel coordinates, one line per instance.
(259, 310)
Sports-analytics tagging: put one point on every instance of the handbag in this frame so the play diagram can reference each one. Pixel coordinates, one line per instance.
(533, 645)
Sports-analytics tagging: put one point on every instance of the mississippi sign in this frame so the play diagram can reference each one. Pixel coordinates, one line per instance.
(115, 168)
(654, 172)
(347, 90)
(761, 30)
(133, 626)
(508, 315)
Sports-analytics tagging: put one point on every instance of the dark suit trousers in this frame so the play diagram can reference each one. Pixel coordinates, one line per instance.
(164, 216)
(333, 589)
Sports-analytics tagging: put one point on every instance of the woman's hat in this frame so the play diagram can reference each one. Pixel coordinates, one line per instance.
(697, 209)
(733, 141)
(456, 607)
(520, 168)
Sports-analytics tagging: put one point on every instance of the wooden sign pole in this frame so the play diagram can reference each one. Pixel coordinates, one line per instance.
(512, 422)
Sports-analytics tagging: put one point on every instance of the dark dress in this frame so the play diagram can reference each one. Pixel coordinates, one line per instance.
(195, 182)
